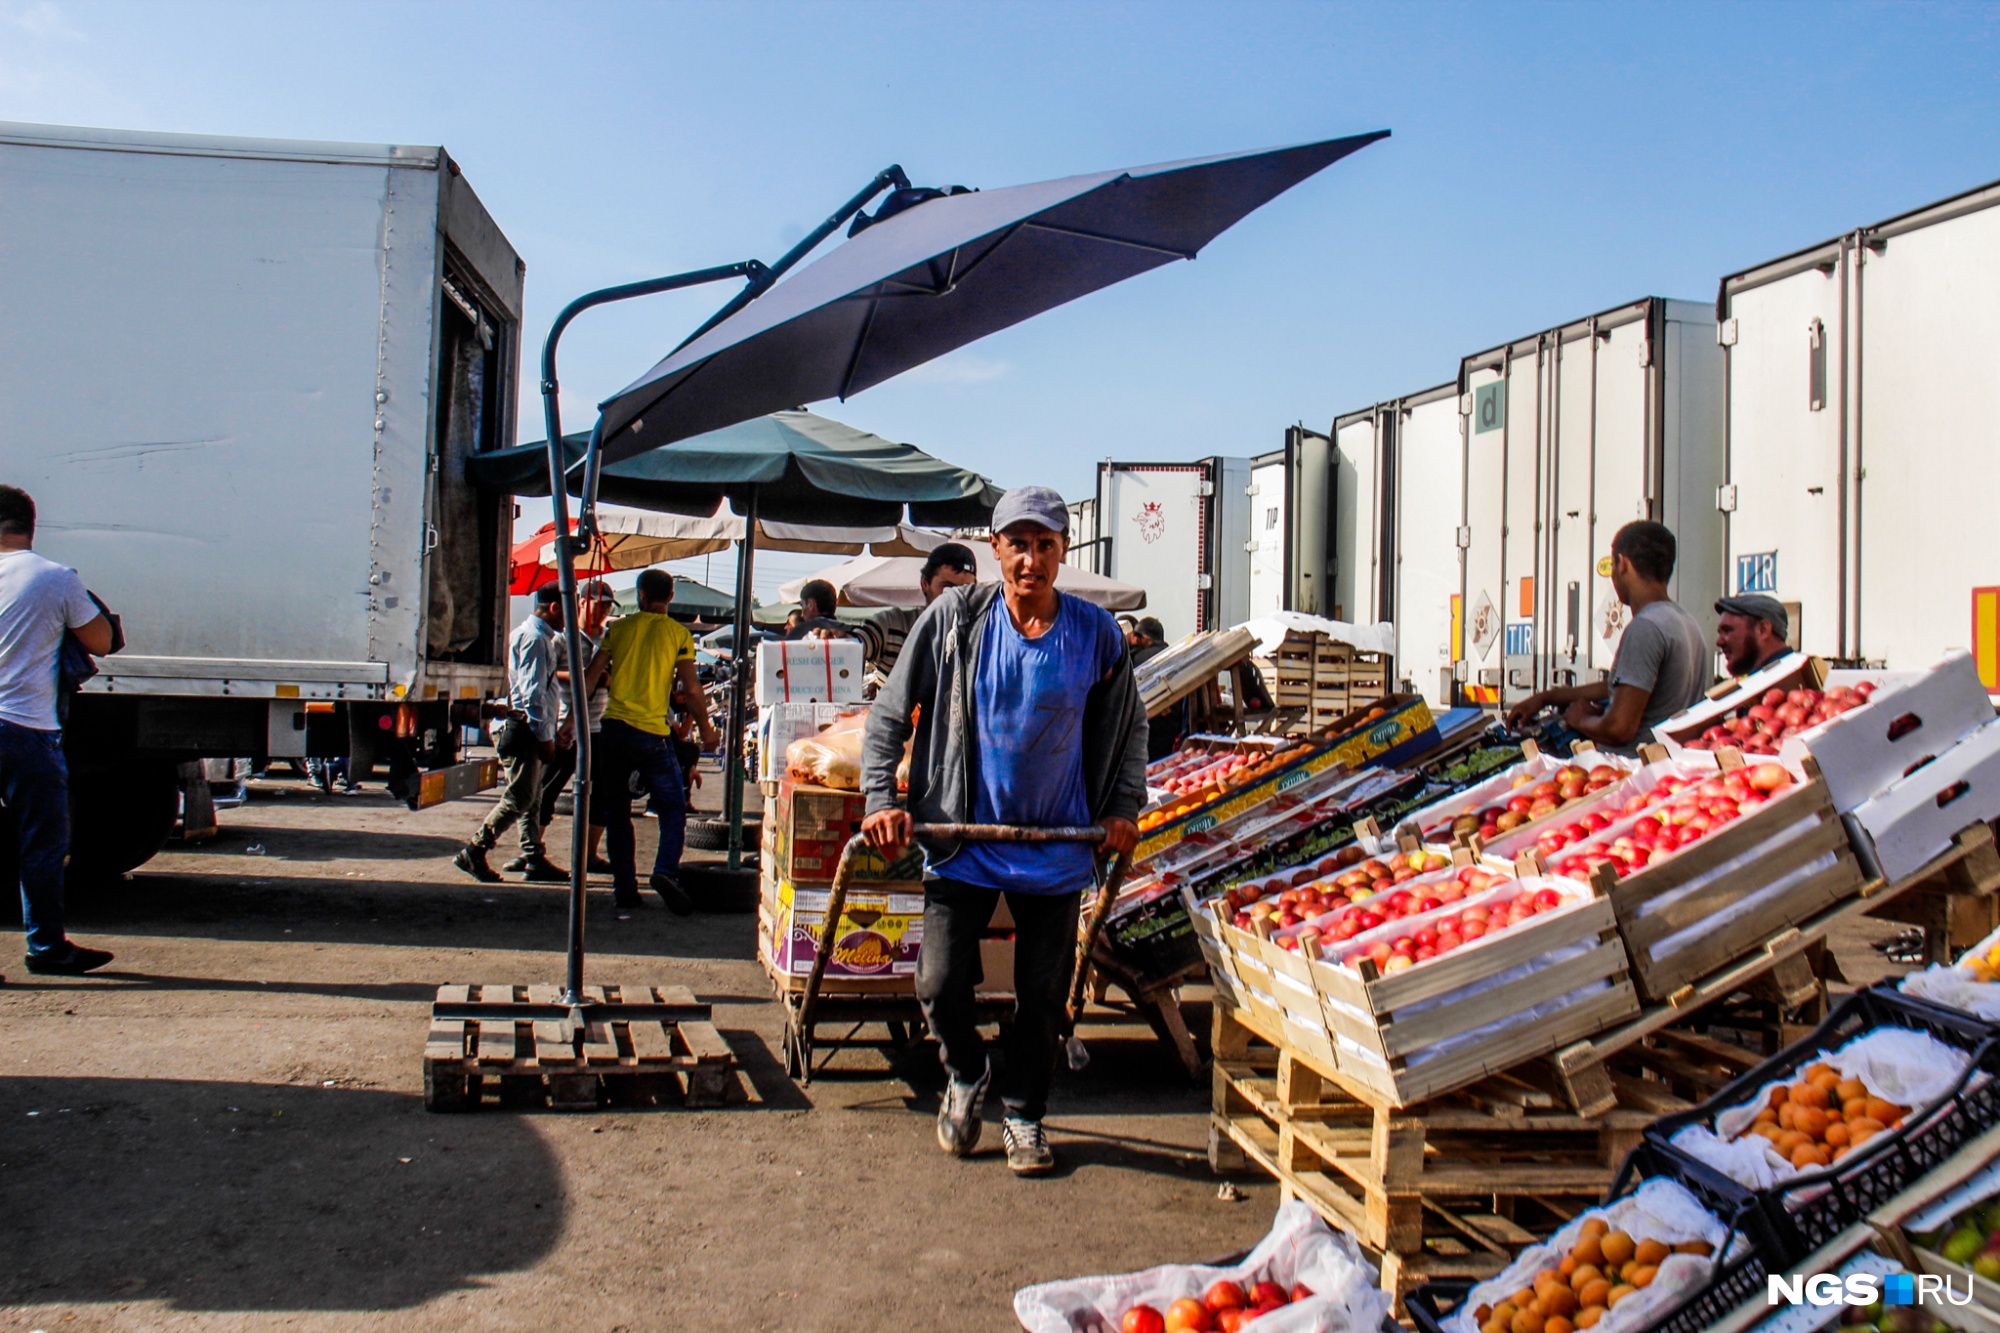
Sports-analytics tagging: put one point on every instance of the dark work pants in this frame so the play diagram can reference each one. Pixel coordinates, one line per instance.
(556, 774)
(1045, 934)
(34, 786)
(621, 751)
(521, 760)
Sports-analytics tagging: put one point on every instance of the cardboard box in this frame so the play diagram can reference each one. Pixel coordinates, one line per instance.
(1913, 717)
(808, 827)
(1405, 729)
(809, 671)
(1151, 933)
(1895, 832)
(778, 725)
(868, 942)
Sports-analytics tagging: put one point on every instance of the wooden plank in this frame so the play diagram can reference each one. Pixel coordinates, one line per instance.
(1807, 801)
(1646, 1095)
(454, 994)
(1659, 978)
(495, 992)
(496, 1040)
(1405, 1036)
(1522, 944)
(652, 1041)
(445, 1040)
(1648, 928)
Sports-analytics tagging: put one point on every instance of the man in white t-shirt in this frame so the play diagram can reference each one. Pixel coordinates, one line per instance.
(40, 601)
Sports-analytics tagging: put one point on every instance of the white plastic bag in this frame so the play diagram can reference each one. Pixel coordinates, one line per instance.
(1954, 988)
(1661, 1210)
(1896, 1064)
(1298, 1248)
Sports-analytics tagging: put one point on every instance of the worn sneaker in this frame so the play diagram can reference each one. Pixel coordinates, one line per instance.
(598, 866)
(515, 866)
(1027, 1146)
(672, 894)
(958, 1114)
(75, 963)
(472, 860)
(541, 870)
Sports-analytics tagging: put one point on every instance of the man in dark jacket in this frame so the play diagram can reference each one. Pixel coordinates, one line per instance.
(1027, 715)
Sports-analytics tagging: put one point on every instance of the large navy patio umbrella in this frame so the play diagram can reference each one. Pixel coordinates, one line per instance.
(929, 272)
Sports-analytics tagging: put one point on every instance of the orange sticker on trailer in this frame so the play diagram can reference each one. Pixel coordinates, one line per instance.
(1457, 627)
(1528, 594)
(1986, 636)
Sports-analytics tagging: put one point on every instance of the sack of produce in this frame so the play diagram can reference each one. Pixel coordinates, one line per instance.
(1303, 1277)
(832, 758)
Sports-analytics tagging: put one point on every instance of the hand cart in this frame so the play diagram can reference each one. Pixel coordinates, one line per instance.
(899, 1012)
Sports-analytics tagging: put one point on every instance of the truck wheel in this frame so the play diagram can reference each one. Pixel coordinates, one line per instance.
(120, 818)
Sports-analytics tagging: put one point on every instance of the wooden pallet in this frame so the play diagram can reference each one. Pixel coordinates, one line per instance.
(1449, 1188)
(1780, 972)
(1323, 678)
(523, 1059)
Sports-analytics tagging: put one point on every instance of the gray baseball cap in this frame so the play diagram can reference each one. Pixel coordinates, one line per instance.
(1756, 606)
(1039, 505)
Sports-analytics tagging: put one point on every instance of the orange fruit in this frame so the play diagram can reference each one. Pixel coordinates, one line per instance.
(1560, 1303)
(1584, 1275)
(1558, 1325)
(1810, 1094)
(1810, 1121)
(1596, 1293)
(1588, 1251)
(1643, 1275)
(1617, 1294)
(1528, 1321)
(1836, 1134)
(1595, 1226)
(1651, 1252)
(1807, 1157)
(1884, 1111)
(1850, 1089)
(1588, 1316)
(1618, 1247)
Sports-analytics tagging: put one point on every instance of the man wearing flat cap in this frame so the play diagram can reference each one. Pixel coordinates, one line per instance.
(1027, 714)
(1750, 632)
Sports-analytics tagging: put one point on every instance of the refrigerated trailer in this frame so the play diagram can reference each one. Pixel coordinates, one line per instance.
(1569, 434)
(240, 378)
(1291, 494)
(1863, 451)
(1400, 533)
(1178, 530)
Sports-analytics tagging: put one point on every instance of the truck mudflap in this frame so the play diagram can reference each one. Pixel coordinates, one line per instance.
(455, 780)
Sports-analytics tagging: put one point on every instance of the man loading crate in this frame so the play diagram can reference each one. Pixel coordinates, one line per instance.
(1028, 716)
(1662, 665)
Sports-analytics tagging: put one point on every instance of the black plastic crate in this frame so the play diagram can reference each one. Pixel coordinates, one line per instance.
(1733, 1281)
(1810, 1210)
(1155, 938)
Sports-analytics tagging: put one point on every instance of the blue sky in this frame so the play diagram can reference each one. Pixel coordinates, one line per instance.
(1548, 161)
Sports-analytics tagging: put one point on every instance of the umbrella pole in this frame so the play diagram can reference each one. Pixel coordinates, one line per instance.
(743, 666)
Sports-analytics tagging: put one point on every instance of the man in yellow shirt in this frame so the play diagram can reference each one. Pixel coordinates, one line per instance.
(641, 656)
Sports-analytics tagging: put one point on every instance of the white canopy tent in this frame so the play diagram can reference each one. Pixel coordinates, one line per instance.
(884, 580)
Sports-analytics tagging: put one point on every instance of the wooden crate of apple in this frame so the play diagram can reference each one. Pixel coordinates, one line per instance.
(1435, 984)
(1312, 892)
(1197, 778)
(1225, 1307)
(1703, 866)
(1528, 797)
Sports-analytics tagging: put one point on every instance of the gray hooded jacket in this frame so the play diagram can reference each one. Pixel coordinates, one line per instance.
(939, 661)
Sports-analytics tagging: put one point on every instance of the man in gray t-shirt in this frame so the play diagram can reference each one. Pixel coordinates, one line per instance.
(1663, 663)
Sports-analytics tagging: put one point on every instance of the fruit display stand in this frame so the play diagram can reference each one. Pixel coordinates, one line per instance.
(1931, 1226)
(1514, 794)
(1160, 829)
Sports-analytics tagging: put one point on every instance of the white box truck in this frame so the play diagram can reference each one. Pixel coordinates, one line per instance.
(1178, 530)
(1291, 518)
(1863, 446)
(1572, 433)
(1409, 548)
(240, 379)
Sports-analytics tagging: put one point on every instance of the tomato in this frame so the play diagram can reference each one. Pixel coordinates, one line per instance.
(1225, 1295)
(1188, 1315)
(1268, 1293)
(1142, 1319)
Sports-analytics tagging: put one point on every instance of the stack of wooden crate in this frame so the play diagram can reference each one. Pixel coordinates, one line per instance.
(1323, 676)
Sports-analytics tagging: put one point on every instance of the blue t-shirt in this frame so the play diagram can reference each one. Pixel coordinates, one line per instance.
(1027, 768)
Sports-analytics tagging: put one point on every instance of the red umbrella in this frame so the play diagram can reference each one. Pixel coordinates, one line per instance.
(529, 572)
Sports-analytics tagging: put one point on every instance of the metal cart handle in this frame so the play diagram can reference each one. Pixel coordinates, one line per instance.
(837, 898)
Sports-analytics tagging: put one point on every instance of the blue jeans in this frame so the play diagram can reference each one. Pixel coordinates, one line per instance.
(34, 786)
(618, 752)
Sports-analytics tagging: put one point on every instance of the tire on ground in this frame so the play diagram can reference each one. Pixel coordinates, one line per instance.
(120, 817)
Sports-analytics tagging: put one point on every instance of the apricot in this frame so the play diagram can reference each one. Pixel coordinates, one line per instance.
(1883, 1111)
(1651, 1252)
(1700, 1247)
(1771, 1132)
(1617, 1247)
(1788, 1116)
(1807, 1156)
(1589, 1252)
(1643, 1275)
(1523, 1298)
(1494, 1326)
(1809, 1094)
(1766, 1116)
(1584, 1275)
(1595, 1293)
(1813, 1070)
(1826, 1082)
(1560, 1303)
(1503, 1313)
(1527, 1321)
(1836, 1134)
(1860, 1130)
(1595, 1227)
(1558, 1324)
(1778, 1098)
(1792, 1140)
(1841, 1152)
(1620, 1293)
(1854, 1108)
(1588, 1316)
(1547, 1275)
(1851, 1089)
(1810, 1121)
